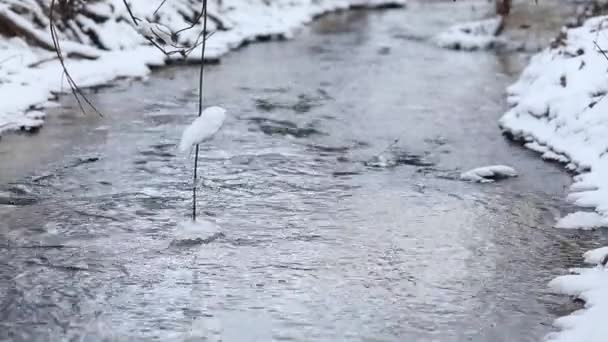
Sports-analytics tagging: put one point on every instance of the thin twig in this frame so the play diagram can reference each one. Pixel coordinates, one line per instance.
(159, 7)
(76, 91)
(8, 59)
(602, 51)
(395, 142)
(184, 51)
(196, 20)
(200, 105)
(133, 17)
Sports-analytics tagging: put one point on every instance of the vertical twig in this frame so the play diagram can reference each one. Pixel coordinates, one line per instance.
(200, 106)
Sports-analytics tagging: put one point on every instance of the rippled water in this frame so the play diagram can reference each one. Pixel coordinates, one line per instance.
(320, 241)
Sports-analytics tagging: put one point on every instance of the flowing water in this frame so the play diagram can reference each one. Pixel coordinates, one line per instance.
(321, 239)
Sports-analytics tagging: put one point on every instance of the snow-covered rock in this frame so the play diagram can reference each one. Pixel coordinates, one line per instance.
(202, 128)
(488, 174)
(475, 35)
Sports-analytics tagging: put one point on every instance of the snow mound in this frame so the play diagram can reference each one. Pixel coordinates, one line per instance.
(202, 128)
(199, 232)
(590, 285)
(581, 220)
(488, 174)
(596, 256)
(476, 35)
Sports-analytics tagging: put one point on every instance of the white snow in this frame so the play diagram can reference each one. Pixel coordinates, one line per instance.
(380, 161)
(584, 220)
(154, 30)
(203, 128)
(475, 35)
(125, 52)
(559, 108)
(586, 325)
(189, 233)
(488, 174)
(190, 230)
(595, 256)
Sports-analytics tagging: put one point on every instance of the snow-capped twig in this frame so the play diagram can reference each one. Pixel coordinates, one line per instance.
(202, 129)
(152, 31)
(200, 105)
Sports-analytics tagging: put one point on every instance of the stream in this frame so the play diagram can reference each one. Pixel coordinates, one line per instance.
(321, 239)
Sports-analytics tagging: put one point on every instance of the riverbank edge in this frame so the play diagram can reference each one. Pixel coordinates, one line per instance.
(558, 109)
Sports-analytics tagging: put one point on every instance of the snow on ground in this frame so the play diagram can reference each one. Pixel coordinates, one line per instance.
(581, 220)
(559, 108)
(596, 256)
(488, 174)
(587, 324)
(29, 76)
(475, 35)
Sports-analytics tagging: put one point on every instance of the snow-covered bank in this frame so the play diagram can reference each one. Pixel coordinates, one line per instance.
(103, 33)
(559, 108)
(590, 285)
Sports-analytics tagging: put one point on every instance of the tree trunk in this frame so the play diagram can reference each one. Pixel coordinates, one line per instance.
(503, 7)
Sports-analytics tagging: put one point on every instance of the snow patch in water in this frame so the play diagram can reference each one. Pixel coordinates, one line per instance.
(475, 35)
(488, 174)
(196, 232)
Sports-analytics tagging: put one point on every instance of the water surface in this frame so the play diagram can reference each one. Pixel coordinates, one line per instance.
(320, 242)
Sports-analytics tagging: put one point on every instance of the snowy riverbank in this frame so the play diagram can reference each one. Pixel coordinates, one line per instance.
(560, 110)
(102, 32)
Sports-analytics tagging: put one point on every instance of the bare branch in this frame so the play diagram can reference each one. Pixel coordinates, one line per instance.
(76, 91)
(159, 7)
(133, 17)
